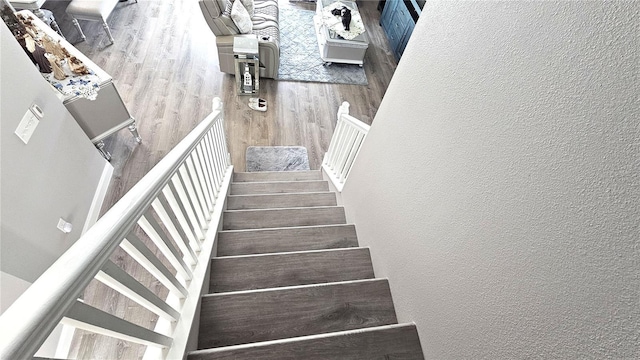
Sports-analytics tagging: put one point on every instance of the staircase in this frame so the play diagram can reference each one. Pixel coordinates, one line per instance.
(290, 282)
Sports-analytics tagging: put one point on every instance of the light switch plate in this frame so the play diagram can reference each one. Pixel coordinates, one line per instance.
(27, 126)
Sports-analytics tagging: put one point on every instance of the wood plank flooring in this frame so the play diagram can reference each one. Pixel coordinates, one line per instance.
(298, 305)
(276, 218)
(247, 188)
(397, 342)
(244, 242)
(234, 273)
(241, 202)
(262, 315)
(276, 176)
(164, 64)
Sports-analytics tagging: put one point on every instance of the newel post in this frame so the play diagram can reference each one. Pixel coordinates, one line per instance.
(343, 110)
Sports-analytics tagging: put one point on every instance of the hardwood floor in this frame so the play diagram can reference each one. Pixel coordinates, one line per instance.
(310, 304)
(232, 242)
(243, 188)
(164, 64)
(242, 202)
(263, 271)
(263, 315)
(275, 218)
(397, 342)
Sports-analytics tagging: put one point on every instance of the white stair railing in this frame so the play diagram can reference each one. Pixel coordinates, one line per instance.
(186, 192)
(344, 147)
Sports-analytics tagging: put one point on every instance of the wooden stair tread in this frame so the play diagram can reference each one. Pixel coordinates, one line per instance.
(398, 342)
(287, 269)
(262, 315)
(247, 188)
(284, 200)
(277, 176)
(275, 218)
(290, 283)
(245, 242)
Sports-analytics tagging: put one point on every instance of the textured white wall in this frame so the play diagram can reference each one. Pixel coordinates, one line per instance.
(499, 186)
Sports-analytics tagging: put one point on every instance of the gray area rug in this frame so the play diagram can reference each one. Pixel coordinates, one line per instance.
(299, 55)
(277, 158)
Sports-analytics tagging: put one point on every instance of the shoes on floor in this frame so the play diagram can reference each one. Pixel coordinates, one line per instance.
(257, 100)
(258, 106)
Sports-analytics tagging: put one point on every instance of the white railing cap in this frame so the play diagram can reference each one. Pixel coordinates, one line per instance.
(358, 124)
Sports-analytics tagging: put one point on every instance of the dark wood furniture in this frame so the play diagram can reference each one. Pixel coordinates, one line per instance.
(398, 19)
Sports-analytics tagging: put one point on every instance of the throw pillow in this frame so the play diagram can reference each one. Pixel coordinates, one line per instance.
(248, 4)
(241, 17)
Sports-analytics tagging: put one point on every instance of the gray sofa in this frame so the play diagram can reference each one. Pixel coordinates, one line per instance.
(265, 27)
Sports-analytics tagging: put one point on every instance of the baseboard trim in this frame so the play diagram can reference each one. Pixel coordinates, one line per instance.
(98, 197)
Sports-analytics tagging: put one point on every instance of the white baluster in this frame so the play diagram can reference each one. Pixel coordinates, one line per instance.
(85, 317)
(186, 182)
(176, 187)
(198, 184)
(352, 154)
(117, 279)
(206, 170)
(215, 167)
(168, 222)
(141, 253)
(179, 213)
(159, 238)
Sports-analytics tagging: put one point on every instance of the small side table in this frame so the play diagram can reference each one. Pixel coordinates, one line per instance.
(247, 64)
